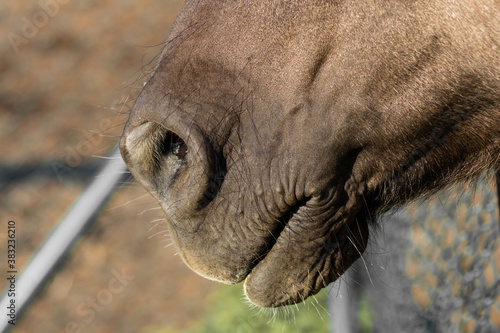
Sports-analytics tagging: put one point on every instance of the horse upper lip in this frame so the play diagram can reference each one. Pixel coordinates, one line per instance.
(282, 223)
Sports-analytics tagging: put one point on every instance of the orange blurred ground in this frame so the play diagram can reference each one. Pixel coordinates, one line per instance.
(77, 73)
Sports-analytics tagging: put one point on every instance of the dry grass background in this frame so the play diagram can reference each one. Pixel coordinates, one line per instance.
(73, 77)
(75, 74)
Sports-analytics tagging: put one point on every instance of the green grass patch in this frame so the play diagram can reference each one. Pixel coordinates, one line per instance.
(365, 315)
(229, 311)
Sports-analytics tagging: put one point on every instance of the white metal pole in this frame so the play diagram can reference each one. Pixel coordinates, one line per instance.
(60, 241)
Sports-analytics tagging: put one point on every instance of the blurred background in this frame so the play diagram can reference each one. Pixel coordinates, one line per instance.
(69, 73)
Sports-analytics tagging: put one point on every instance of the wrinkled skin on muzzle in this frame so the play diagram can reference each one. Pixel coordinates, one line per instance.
(273, 132)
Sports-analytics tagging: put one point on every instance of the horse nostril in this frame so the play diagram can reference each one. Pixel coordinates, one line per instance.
(173, 145)
(154, 153)
(172, 163)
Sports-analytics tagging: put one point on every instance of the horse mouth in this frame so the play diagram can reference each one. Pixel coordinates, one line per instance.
(298, 266)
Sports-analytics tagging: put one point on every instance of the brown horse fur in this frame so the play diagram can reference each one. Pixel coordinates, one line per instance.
(273, 132)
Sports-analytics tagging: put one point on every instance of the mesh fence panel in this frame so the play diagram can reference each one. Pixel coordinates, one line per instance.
(433, 266)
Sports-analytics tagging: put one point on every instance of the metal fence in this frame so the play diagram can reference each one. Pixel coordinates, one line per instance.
(433, 266)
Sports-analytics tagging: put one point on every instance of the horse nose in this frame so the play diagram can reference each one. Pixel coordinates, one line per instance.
(170, 160)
